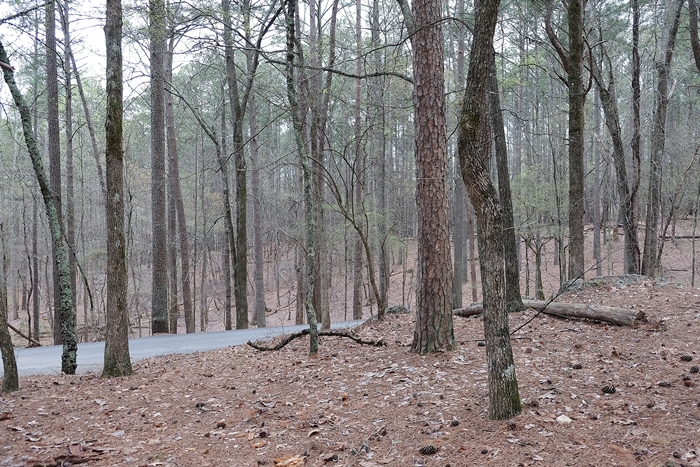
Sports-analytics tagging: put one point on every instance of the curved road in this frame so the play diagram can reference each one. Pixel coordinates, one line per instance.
(47, 360)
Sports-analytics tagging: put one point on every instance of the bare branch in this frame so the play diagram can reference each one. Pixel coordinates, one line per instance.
(563, 55)
(323, 332)
(346, 74)
(24, 12)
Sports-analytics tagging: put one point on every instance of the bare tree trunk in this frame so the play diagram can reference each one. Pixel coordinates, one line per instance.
(577, 100)
(514, 301)
(434, 327)
(230, 241)
(458, 240)
(357, 170)
(53, 143)
(292, 85)
(474, 144)
(608, 99)
(177, 208)
(636, 131)
(595, 148)
(572, 62)
(259, 270)
(460, 196)
(36, 278)
(650, 263)
(173, 305)
(159, 286)
(91, 128)
(301, 285)
(379, 136)
(117, 361)
(68, 109)
(239, 103)
(10, 379)
(318, 96)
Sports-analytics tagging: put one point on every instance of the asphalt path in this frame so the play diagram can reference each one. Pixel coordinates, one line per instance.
(47, 360)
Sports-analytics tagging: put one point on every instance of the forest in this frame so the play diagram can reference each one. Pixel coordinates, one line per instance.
(180, 167)
(289, 163)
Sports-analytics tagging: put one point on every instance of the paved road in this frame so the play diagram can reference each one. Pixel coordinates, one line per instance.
(47, 360)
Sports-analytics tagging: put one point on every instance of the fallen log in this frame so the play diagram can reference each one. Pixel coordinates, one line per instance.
(322, 332)
(608, 314)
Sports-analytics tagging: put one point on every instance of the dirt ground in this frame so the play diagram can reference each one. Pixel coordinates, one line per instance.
(374, 406)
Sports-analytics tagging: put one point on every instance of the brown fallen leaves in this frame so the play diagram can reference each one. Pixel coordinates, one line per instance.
(378, 406)
(289, 461)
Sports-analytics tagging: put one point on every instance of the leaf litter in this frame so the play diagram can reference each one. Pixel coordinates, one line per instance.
(369, 406)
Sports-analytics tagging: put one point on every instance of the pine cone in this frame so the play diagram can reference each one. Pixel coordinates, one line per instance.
(428, 449)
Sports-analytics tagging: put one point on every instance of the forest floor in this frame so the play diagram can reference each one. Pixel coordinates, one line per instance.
(374, 406)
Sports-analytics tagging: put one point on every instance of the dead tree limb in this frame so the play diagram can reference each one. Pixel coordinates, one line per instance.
(618, 316)
(323, 332)
(31, 340)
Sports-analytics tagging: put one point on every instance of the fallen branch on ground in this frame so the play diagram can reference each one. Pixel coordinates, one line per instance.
(322, 332)
(618, 316)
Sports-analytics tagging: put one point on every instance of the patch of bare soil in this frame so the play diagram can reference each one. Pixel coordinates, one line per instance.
(373, 406)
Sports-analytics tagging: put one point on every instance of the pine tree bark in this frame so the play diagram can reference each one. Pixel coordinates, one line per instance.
(434, 327)
(117, 361)
(53, 145)
(474, 146)
(159, 265)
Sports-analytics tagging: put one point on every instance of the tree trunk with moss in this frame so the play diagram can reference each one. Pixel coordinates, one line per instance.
(474, 148)
(65, 292)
